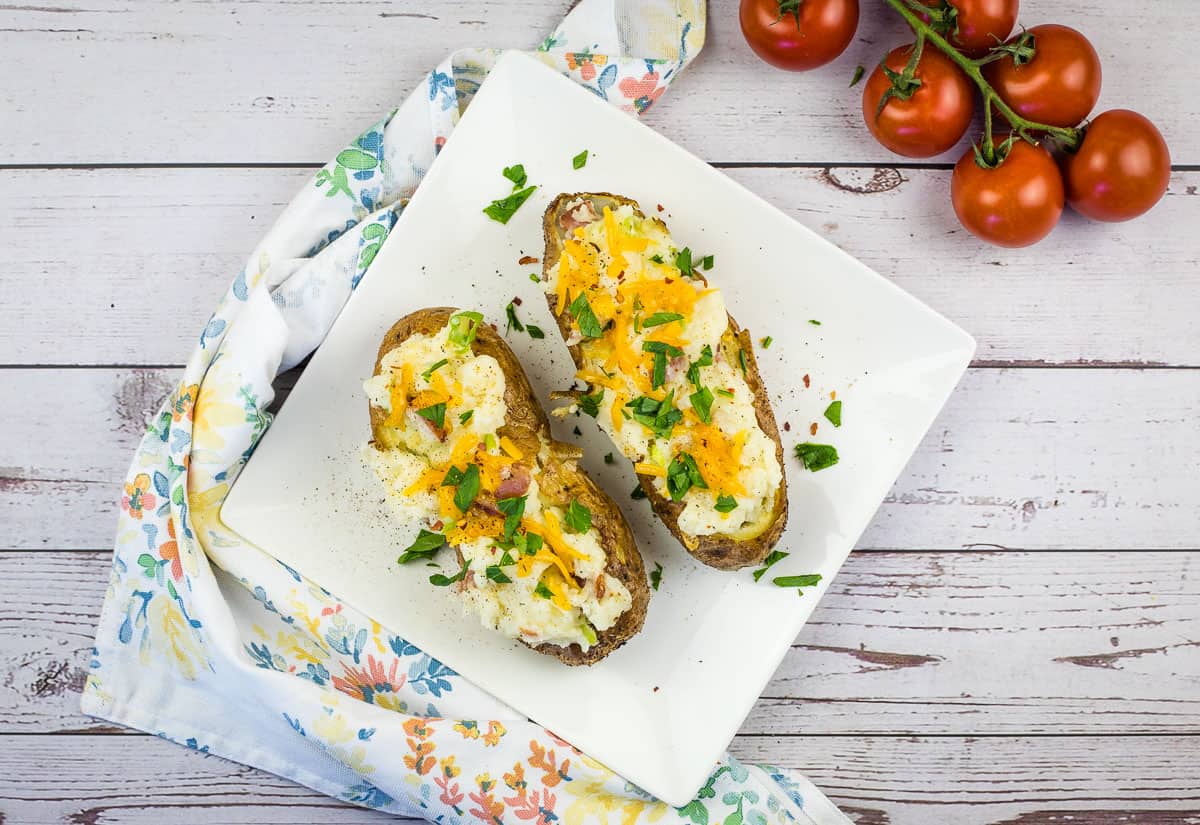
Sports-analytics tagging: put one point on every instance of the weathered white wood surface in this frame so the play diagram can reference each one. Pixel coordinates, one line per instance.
(282, 81)
(52, 780)
(1020, 458)
(904, 643)
(135, 259)
(950, 683)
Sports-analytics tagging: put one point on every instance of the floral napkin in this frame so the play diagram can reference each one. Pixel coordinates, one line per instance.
(209, 642)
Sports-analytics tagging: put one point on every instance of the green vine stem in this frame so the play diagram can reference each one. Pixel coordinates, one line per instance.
(1067, 137)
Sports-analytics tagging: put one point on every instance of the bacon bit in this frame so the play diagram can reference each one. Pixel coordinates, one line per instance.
(787, 426)
(600, 586)
(516, 300)
(528, 259)
(660, 208)
(437, 525)
(833, 396)
(515, 484)
(812, 430)
(806, 380)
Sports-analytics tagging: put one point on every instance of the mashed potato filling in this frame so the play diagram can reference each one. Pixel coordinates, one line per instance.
(665, 383)
(531, 569)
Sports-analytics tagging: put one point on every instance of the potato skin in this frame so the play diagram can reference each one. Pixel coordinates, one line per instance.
(561, 478)
(722, 551)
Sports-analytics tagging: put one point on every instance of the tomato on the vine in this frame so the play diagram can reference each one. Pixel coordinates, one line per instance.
(1121, 169)
(1058, 86)
(923, 121)
(798, 34)
(975, 26)
(1015, 203)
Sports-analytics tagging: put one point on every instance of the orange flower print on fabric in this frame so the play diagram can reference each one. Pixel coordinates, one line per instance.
(169, 551)
(535, 806)
(541, 757)
(421, 759)
(490, 809)
(138, 497)
(372, 684)
(585, 62)
(184, 402)
(451, 795)
(642, 92)
(469, 729)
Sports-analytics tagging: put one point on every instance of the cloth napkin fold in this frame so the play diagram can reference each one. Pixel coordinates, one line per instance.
(206, 640)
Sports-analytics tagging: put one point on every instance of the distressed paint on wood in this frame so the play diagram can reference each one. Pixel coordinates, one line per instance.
(285, 81)
(1088, 780)
(903, 643)
(1020, 458)
(149, 252)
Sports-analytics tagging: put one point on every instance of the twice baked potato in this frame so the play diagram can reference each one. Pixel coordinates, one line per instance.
(464, 449)
(670, 376)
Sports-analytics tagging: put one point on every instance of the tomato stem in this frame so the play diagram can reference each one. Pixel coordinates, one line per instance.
(1069, 138)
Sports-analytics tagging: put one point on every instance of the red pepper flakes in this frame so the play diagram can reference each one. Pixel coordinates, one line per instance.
(528, 259)
(812, 430)
(806, 380)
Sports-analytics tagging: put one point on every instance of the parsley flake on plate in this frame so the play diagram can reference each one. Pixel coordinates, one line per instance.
(816, 457)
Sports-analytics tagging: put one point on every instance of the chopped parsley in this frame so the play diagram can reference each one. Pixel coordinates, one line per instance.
(683, 260)
(467, 488)
(590, 404)
(814, 322)
(465, 417)
(581, 311)
(533, 276)
(463, 327)
(807, 580)
(527, 543)
(580, 160)
(658, 416)
(453, 477)
(638, 493)
(683, 475)
(725, 504)
(535, 332)
(816, 456)
(493, 572)
(578, 517)
(775, 556)
(504, 208)
(513, 509)
(766, 342)
(659, 318)
(859, 71)
(516, 174)
(513, 321)
(656, 576)
(707, 262)
(435, 413)
(543, 591)
(608, 459)
(661, 350)
(423, 547)
(658, 259)
(437, 366)
(702, 404)
(833, 413)
(438, 580)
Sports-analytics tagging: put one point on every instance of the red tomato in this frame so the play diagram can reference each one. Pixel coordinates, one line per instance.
(1015, 204)
(822, 32)
(977, 25)
(1120, 170)
(1059, 86)
(933, 118)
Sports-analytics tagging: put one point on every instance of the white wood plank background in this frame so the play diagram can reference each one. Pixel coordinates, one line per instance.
(1017, 640)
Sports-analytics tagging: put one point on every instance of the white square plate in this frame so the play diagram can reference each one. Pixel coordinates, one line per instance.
(661, 709)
